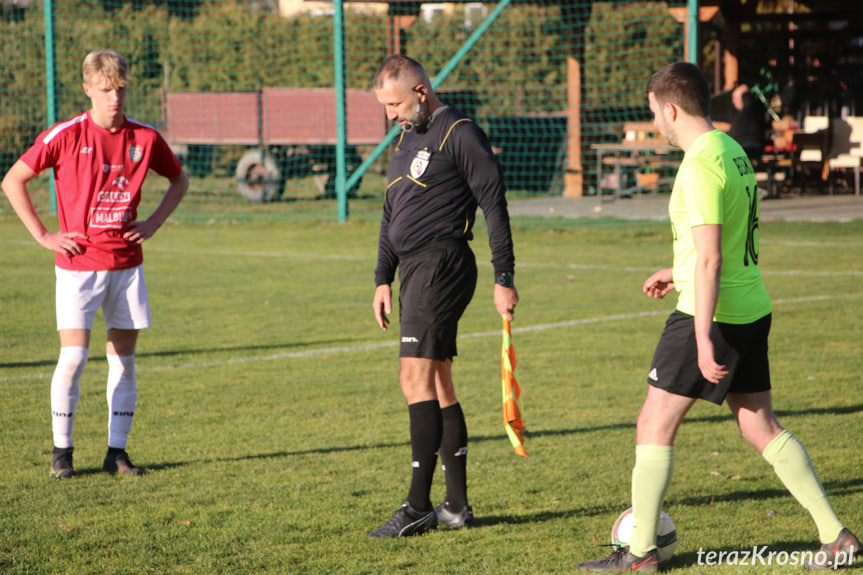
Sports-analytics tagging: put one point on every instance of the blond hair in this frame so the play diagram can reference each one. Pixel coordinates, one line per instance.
(108, 64)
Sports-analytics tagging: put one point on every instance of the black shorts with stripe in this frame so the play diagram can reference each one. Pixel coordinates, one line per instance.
(741, 348)
(437, 284)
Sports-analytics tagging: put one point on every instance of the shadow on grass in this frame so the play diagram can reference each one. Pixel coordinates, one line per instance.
(841, 410)
(543, 516)
(278, 455)
(180, 352)
(89, 471)
(844, 410)
(836, 488)
(833, 488)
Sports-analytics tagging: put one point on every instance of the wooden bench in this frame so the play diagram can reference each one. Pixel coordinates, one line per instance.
(642, 132)
(644, 152)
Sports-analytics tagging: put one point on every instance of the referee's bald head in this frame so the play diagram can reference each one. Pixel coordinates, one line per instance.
(402, 70)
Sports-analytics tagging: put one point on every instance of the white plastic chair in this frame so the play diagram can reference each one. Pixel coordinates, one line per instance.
(847, 147)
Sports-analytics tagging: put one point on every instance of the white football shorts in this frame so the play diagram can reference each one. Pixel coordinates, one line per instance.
(122, 295)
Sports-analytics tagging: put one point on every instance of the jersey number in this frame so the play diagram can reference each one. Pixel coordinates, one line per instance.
(751, 252)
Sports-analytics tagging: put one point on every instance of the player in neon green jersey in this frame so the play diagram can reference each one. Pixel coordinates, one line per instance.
(714, 345)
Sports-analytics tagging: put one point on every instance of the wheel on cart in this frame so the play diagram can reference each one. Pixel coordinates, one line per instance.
(324, 168)
(258, 177)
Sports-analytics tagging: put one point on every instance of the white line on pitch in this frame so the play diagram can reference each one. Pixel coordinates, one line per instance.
(382, 345)
(520, 265)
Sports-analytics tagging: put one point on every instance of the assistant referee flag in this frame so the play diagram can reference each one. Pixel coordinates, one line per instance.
(512, 421)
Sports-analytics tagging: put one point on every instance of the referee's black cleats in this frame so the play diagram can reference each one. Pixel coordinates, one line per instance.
(117, 461)
(405, 522)
(453, 519)
(61, 464)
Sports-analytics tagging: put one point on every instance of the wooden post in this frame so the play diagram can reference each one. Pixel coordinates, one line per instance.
(734, 13)
(400, 15)
(732, 48)
(574, 177)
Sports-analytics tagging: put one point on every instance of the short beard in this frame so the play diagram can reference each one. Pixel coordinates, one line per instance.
(417, 122)
(671, 137)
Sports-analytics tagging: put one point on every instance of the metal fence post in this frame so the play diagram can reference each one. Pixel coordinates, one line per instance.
(692, 15)
(50, 81)
(341, 129)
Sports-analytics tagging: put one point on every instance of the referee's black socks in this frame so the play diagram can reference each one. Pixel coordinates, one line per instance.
(426, 424)
(453, 456)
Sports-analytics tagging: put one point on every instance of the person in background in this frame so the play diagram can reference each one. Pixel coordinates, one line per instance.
(748, 121)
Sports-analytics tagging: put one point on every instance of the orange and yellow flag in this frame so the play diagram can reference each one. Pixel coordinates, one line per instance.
(511, 393)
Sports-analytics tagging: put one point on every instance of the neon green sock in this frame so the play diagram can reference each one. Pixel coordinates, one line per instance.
(651, 477)
(793, 466)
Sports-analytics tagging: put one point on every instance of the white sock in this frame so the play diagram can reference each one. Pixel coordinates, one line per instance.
(122, 394)
(65, 392)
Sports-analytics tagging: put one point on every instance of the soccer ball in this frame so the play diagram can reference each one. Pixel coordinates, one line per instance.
(666, 534)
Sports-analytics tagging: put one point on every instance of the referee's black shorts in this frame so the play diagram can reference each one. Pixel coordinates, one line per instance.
(741, 348)
(437, 283)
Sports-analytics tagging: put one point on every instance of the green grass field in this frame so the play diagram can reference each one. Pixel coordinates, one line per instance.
(275, 435)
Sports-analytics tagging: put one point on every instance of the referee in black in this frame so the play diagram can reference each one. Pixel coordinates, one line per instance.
(442, 168)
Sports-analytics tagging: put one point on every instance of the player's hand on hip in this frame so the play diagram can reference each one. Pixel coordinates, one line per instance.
(382, 304)
(137, 232)
(63, 243)
(505, 299)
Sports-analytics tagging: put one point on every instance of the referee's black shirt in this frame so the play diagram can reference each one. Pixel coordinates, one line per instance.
(436, 180)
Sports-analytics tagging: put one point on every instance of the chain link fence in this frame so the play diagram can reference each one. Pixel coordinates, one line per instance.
(245, 90)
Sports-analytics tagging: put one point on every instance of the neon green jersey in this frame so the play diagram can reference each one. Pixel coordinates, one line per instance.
(715, 184)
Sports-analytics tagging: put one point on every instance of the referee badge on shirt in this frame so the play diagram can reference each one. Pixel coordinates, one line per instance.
(420, 163)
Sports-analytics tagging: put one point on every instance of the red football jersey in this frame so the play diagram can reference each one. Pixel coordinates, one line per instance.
(98, 175)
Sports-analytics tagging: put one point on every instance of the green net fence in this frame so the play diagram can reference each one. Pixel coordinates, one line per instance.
(244, 90)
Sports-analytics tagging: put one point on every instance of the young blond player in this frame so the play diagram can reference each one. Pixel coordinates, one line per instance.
(100, 159)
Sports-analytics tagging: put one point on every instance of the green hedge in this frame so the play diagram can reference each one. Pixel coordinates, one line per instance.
(518, 68)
